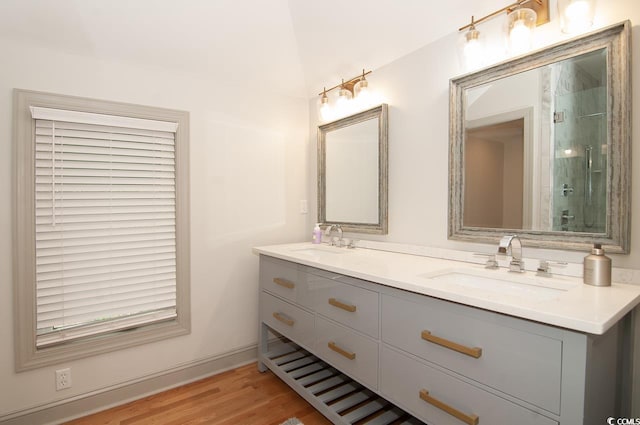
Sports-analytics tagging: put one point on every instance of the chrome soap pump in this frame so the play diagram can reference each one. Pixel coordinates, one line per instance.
(597, 267)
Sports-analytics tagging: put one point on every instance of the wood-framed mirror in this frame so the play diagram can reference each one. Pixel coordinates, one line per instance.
(540, 146)
(352, 171)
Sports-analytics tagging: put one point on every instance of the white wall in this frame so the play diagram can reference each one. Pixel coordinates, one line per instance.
(248, 174)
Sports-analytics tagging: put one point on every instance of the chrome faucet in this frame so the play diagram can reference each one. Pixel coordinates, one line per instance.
(329, 231)
(511, 245)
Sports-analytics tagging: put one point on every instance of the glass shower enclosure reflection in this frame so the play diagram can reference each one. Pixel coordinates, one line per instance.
(579, 161)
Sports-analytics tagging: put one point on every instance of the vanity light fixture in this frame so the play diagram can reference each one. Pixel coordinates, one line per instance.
(576, 15)
(353, 95)
(520, 24)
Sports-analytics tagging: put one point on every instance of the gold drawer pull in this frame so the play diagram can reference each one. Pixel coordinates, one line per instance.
(284, 282)
(347, 307)
(467, 419)
(332, 345)
(475, 352)
(283, 319)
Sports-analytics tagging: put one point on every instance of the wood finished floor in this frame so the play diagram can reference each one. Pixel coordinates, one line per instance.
(242, 396)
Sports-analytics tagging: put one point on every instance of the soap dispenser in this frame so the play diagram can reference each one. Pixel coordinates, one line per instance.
(597, 267)
(317, 234)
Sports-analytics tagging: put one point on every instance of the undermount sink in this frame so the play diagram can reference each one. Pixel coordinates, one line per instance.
(318, 249)
(504, 283)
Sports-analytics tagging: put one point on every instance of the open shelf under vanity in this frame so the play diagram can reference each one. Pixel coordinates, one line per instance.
(335, 395)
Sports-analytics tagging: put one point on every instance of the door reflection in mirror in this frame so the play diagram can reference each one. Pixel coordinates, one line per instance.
(493, 194)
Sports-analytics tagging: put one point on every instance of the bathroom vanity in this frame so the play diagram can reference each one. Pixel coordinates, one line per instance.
(446, 341)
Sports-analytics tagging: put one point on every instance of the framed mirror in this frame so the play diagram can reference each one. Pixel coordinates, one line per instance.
(352, 172)
(540, 146)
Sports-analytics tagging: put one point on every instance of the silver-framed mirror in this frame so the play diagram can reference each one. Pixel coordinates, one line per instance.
(352, 171)
(540, 146)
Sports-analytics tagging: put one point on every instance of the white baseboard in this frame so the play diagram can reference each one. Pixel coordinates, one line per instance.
(85, 404)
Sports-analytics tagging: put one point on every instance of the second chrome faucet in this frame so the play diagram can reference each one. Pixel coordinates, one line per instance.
(333, 241)
(511, 245)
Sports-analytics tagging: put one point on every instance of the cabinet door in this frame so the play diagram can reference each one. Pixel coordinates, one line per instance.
(438, 398)
(288, 319)
(478, 345)
(352, 353)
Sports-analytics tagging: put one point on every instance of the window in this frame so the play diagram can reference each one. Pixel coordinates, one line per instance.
(101, 234)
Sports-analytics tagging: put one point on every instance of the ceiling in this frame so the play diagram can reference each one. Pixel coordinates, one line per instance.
(294, 47)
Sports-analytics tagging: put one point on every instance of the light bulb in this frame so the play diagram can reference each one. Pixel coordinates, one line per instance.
(344, 94)
(472, 51)
(325, 109)
(363, 96)
(576, 15)
(360, 87)
(521, 24)
(343, 104)
(520, 37)
(325, 112)
(342, 107)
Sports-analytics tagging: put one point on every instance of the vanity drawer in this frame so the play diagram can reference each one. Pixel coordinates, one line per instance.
(286, 318)
(347, 304)
(285, 280)
(478, 345)
(405, 381)
(352, 353)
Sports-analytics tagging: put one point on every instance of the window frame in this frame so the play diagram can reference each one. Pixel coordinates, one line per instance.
(27, 356)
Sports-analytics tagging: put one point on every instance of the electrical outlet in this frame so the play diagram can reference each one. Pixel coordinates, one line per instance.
(304, 208)
(63, 379)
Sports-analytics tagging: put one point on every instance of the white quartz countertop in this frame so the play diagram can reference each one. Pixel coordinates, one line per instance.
(558, 300)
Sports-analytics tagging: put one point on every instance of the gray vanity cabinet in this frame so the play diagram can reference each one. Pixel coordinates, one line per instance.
(443, 362)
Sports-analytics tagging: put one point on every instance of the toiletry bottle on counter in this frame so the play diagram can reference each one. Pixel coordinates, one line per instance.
(317, 234)
(597, 267)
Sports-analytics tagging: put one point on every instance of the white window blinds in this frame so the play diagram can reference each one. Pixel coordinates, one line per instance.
(105, 223)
